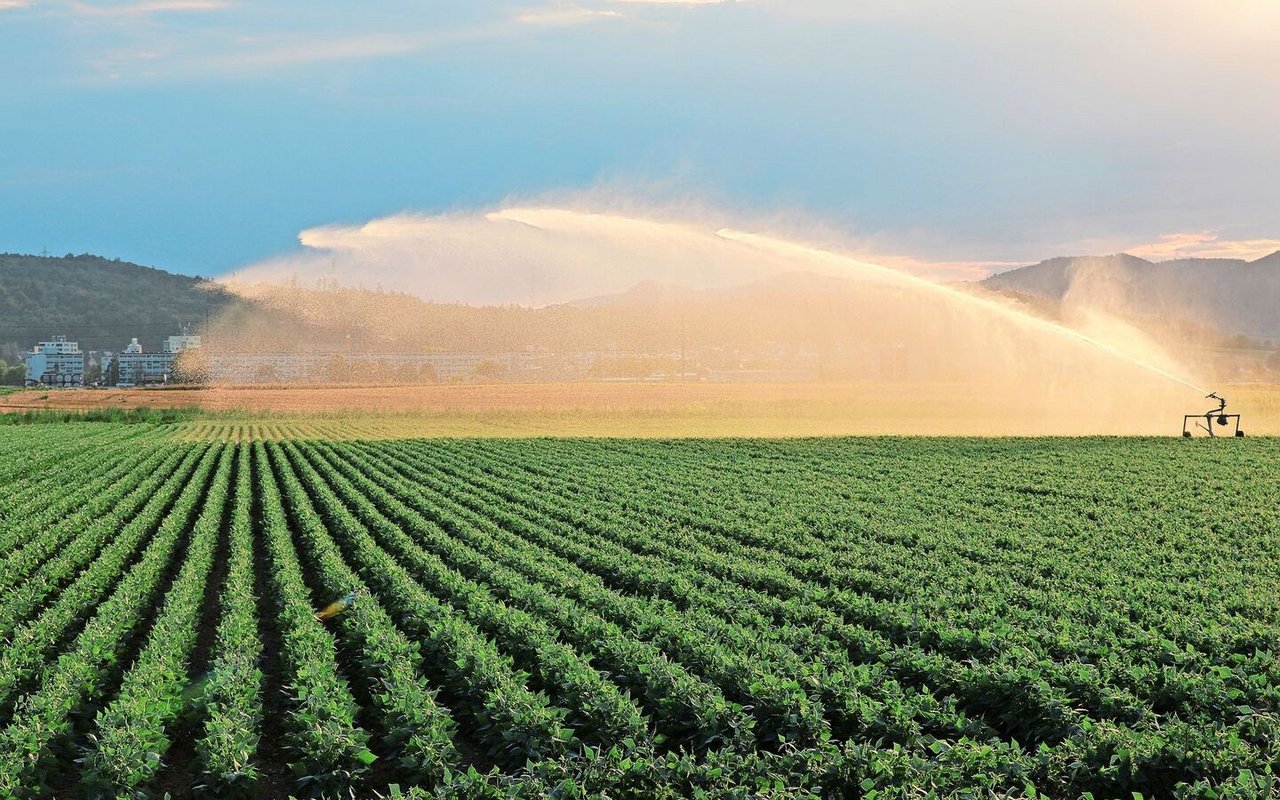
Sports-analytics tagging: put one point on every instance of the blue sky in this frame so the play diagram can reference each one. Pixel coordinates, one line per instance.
(205, 135)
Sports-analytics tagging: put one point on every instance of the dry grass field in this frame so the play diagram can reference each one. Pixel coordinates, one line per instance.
(649, 410)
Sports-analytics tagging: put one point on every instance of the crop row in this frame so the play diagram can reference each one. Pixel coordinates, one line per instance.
(629, 619)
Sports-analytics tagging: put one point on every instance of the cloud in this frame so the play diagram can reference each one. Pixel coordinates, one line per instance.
(236, 49)
(147, 8)
(677, 2)
(9, 5)
(540, 254)
(1204, 244)
(246, 55)
(240, 46)
(319, 50)
(564, 16)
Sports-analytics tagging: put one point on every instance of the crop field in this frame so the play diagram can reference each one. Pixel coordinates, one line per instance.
(249, 615)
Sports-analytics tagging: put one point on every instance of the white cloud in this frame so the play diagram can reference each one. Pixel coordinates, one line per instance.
(317, 50)
(9, 5)
(236, 49)
(678, 2)
(563, 16)
(1204, 244)
(147, 8)
(245, 55)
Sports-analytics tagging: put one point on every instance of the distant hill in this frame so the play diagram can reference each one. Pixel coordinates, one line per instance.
(1230, 295)
(100, 303)
(796, 321)
(789, 313)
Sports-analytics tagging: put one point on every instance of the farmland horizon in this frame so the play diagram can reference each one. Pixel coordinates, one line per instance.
(883, 349)
(1044, 376)
(626, 409)
(639, 399)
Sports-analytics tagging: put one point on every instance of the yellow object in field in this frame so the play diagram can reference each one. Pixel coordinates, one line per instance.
(338, 606)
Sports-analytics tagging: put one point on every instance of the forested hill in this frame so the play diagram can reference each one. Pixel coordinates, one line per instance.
(100, 303)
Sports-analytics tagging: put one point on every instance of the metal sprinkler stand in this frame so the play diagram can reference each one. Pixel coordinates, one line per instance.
(1214, 416)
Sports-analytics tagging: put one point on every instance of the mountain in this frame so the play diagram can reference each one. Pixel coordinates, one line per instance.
(1231, 296)
(98, 302)
(786, 322)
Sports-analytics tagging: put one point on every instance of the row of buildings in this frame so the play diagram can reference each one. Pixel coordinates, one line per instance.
(59, 362)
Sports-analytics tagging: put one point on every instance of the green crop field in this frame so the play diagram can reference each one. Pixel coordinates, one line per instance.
(623, 618)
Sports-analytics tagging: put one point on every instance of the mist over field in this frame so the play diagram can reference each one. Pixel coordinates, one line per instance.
(644, 296)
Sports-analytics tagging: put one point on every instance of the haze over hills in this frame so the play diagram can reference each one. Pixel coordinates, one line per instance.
(786, 322)
(102, 303)
(798, 321)
(1230, 296)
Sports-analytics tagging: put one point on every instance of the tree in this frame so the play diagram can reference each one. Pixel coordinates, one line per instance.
(13, 376)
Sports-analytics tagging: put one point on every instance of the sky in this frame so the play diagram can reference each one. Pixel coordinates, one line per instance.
(203, 136)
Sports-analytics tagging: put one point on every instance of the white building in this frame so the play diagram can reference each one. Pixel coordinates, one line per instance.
(176, 344)
(56, 363)
(136, 367)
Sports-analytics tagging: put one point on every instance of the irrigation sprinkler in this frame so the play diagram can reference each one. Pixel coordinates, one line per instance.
(1214, 416)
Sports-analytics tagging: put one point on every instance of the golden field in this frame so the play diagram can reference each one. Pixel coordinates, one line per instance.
(658, 409)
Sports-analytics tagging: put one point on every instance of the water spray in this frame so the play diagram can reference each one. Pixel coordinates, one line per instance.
(885, 273)
(876, 323)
